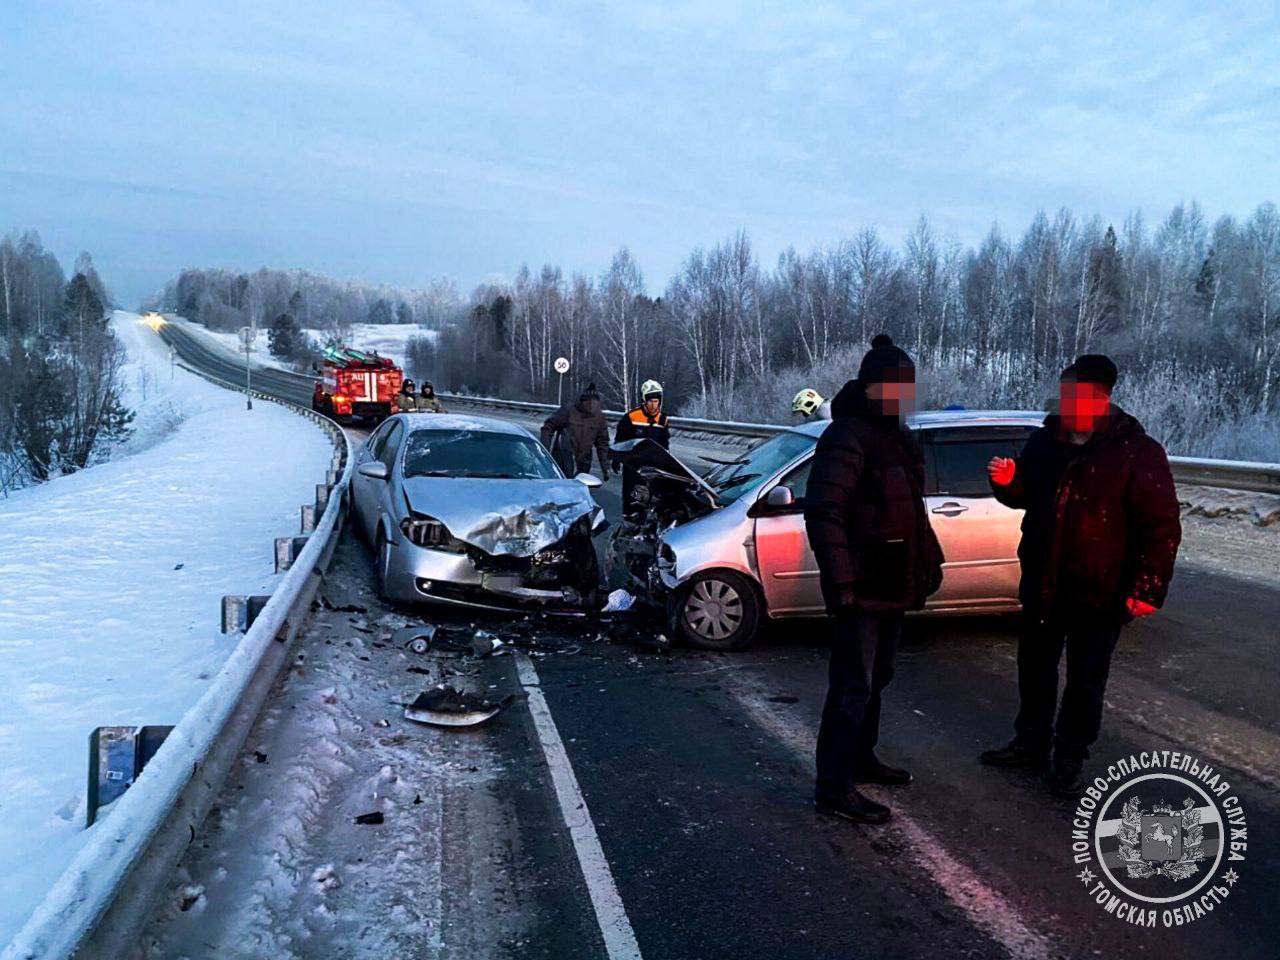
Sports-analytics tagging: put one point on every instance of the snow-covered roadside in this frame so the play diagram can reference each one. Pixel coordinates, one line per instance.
(112, 577)
(388, 339)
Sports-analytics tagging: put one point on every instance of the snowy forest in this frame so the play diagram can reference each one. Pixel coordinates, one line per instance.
(60, 390)
(1189, 307)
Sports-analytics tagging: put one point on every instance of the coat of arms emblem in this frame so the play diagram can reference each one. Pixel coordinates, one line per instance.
(1160, 842)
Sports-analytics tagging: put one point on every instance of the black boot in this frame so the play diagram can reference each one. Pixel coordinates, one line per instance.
(853, 806)
(1065, 778)
(1016, 755)
(873, 771)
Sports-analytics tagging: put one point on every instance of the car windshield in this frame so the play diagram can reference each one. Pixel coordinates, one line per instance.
(732, 480)
(476, 453)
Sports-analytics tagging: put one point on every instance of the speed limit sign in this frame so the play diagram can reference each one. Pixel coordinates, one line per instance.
(562, 365)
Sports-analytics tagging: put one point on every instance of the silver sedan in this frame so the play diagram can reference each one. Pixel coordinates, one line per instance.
(473, 511)
(748, 557)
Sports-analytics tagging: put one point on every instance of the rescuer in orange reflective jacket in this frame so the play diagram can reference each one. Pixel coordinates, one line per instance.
(645, 421)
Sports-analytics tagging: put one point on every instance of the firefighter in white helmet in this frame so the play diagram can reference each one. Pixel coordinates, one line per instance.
(646, 420)
(808, 403)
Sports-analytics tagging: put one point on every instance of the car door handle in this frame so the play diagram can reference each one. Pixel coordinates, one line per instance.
(950, 509)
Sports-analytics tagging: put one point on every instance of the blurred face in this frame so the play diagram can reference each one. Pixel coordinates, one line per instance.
(652, 406)
(1082, 405)
(894, 397)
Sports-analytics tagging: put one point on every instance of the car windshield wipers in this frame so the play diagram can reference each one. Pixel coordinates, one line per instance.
(735, 480)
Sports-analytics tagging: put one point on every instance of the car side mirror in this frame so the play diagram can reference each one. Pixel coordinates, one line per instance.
(374, 470)
(589, 480)
(779, 497)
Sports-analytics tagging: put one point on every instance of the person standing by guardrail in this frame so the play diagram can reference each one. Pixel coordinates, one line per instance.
(428, 402)
(574, 430)
(406, 400)
(1099, 540)
(877, 558)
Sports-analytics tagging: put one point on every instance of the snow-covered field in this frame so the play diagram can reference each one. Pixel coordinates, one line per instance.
(388, 339)
(112, 579)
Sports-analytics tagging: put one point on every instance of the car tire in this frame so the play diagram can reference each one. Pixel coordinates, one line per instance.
(381, 560)
(718, 610)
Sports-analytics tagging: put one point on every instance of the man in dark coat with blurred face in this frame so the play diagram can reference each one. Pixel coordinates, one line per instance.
(877, 557)
(575, 430)
(1099, 538)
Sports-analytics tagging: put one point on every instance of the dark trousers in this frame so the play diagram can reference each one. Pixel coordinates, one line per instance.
(630, 480)
(1089, 647)
(862, 654)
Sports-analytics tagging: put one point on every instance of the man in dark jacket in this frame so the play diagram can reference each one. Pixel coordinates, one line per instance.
(877, 558)
(646, 421)
(574, 430)
(1099, 539)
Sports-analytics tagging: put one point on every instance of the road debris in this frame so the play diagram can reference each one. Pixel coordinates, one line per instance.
(373, 818)
(619, 601)
(341, 607)
(451, 707)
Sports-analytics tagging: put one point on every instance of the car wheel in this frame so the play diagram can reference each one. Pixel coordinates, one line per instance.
(718, 610)
(381, 564)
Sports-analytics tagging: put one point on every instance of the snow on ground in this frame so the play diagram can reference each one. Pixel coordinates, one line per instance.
(388, 339)
(113, 576)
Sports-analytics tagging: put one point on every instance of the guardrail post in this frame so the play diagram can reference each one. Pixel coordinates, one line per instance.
(287, 550)
(332, 477)
(322, 497)
(238, 613)
(309, 515)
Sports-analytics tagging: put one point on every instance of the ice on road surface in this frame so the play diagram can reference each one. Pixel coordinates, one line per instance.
(112, 579)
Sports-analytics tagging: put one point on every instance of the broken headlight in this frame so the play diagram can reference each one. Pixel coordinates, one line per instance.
(424, 531)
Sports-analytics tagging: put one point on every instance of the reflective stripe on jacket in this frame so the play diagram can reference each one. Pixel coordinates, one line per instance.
(637, 424)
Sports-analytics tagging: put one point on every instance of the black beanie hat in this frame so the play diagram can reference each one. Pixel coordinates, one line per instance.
(591, 393)
(1093, 368)
(883, 357)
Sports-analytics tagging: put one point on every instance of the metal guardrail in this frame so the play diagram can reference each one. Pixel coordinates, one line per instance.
(1192, 471)
(1230, 474)
(99, 905)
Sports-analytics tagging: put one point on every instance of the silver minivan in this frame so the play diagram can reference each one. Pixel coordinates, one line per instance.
(747, 557)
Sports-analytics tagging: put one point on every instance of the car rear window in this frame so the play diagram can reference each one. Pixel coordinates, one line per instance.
(476, 453)
(955, 458)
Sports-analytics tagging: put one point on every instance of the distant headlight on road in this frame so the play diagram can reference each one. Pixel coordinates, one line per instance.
(429, 532)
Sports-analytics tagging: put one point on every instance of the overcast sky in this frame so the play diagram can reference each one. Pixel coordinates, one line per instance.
(400, 141)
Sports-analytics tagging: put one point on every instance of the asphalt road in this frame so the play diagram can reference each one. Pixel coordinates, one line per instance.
(694, 777)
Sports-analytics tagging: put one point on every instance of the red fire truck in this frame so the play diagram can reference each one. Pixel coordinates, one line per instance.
(356, 384)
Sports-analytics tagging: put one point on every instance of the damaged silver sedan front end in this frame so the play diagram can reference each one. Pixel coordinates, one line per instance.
(472, 511)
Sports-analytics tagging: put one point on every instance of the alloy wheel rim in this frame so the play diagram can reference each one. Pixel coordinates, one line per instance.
(714, 609)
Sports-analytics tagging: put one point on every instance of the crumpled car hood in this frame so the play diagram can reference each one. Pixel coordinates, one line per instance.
(514, 518)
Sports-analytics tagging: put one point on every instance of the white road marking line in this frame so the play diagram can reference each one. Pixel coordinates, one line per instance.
(619, 939)
(985, 907)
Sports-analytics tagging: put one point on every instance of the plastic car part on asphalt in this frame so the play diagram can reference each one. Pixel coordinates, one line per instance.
(450, 707)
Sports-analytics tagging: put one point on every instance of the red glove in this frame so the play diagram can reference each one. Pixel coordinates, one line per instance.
(1001, 470)
(1139, 608)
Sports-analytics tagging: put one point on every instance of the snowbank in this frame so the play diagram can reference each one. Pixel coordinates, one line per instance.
(112, 581)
